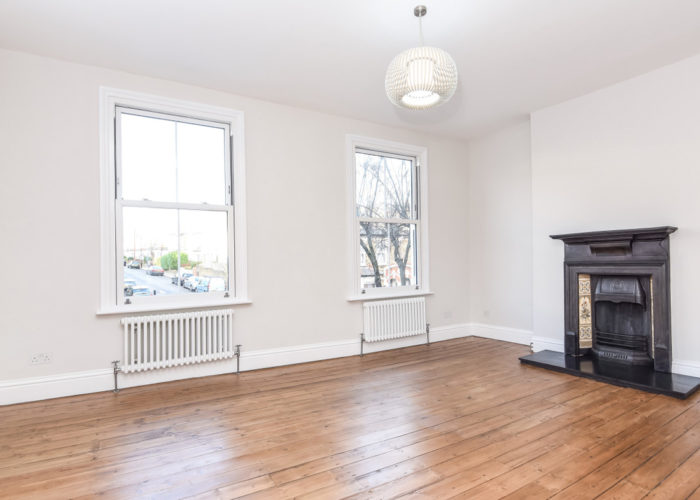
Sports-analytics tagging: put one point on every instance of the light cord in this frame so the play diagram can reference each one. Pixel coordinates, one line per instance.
(420, 30)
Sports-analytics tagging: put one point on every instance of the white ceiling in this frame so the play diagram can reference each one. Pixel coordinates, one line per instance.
(514, 56)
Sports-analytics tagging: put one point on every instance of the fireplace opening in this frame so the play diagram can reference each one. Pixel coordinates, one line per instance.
(622, 319)
(621, 325)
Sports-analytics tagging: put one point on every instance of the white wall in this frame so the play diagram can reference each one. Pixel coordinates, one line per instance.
(49, 221)
(500, 231)
(626, 156)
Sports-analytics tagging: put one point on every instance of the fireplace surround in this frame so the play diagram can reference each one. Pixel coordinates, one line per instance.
(617, 311)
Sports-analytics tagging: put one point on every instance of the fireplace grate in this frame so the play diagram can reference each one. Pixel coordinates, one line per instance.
(633, 342)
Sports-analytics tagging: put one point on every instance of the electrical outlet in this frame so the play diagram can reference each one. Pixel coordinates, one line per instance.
(41, 358)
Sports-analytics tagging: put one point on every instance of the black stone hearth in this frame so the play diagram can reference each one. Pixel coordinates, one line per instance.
(641, 377)
(617, 311)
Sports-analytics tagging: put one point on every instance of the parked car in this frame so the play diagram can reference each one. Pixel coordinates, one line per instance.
(155, 271)
(134, 264)
(175, 280)
(141, 290)
(191, 283)
(202, 285)
(129, 285)
(211, 285)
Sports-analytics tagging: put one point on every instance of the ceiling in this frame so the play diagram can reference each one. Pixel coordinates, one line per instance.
(513, 56)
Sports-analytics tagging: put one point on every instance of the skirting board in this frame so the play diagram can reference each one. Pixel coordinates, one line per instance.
(75, 383)
(503, 333)
(691, 368)
(547, 344)
(54, 386)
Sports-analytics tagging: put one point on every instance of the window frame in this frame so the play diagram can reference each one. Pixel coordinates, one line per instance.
(420, 186)
(113, 102)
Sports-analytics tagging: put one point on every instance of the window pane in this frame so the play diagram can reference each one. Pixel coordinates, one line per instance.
(201, 164)
(401, 270)
(370, 192)
(147, 156)
(150, 246)
(203, 239)
(374, 242)
(384, 186)
(388, 255)
(153, 263)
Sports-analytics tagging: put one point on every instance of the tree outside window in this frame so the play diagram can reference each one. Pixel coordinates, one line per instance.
(386, 209)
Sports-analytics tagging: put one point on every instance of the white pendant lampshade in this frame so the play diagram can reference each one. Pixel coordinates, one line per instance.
(421, 77)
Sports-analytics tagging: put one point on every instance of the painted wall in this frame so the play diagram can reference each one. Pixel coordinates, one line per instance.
(500, 236)
(626, 156)
(49, 222)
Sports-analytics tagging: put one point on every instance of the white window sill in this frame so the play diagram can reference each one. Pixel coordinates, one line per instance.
(138, 308)
(388, 295)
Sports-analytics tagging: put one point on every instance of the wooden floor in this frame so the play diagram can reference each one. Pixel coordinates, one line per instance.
(459, 418)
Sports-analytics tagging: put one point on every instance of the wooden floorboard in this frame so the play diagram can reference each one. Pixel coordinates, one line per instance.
(456, 419)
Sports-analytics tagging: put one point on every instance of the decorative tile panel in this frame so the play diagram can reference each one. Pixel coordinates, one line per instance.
(585, 316)
(651, 293)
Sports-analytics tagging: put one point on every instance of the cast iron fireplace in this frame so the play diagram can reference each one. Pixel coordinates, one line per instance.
(616, 296)
(617, 311)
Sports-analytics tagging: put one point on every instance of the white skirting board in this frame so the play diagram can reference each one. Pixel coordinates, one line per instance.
(506, 334)
(547, 344)
(691, 368)
(75, 383)
(53, 386)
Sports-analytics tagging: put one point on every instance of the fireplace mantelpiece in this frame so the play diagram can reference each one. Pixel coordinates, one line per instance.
(617, 311)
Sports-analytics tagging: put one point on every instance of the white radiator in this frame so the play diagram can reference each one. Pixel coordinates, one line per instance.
(161, 341)
(391, 319)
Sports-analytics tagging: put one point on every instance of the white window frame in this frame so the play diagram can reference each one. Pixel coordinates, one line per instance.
(111, 254)
(389, 148)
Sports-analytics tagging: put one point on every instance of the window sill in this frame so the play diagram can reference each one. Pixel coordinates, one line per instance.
(395, 295)
(138, 308)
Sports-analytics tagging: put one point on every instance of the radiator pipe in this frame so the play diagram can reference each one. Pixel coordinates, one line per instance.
(117, 369)
(238, 358)
(427, 333)
(362, 344)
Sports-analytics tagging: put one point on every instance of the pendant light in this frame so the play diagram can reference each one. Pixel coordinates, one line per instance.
(421, 77)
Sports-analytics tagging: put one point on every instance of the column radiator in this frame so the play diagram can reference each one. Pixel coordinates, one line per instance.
(395, 318)
(161, 341)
